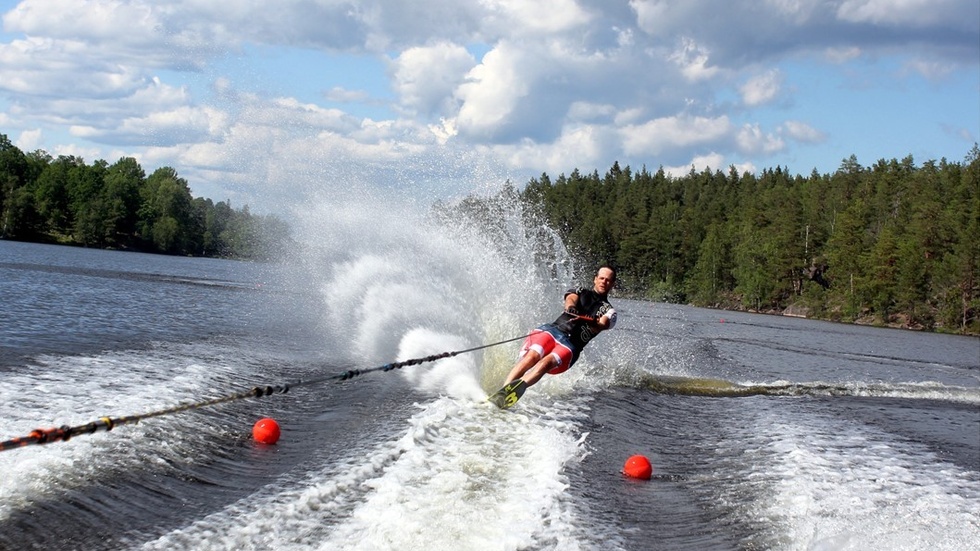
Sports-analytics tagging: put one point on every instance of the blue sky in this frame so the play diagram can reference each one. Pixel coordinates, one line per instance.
(272, 104)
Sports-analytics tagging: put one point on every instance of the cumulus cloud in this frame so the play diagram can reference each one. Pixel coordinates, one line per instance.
(915, 13)
(655, 136)
(426, 77)
(797, 12)
(802, 132)
(529, 86)
(578, 145)
(582, 111)
(710, 161)
(542, 16)
(181, 125)
(340, 94)
(490, 92)
(752, 140)
(52, 68)
(693, 60)
(761, 89)
(127, 22)
(651, 15)
(29, 140)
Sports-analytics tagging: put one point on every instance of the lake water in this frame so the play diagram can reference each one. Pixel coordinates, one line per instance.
(764, 432)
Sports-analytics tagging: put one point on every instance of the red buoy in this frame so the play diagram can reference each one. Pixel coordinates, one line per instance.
(638, 466)
(266, 431)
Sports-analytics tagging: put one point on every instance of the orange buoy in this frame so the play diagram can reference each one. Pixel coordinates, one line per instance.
(638, 466)
(266, 431)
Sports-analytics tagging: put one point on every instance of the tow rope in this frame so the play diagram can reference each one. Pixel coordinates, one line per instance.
(65, 433)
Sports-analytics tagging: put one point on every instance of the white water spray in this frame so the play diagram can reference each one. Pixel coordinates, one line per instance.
(399, 280)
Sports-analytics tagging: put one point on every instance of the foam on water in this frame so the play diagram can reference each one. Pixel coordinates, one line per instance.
(457, 478)
(476, 471)
(75, 390)
(833, 485)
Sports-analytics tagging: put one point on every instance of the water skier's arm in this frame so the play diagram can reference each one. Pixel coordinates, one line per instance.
(606, 319)
(571, 299)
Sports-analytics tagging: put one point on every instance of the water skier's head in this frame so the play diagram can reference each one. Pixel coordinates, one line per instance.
(605, 279)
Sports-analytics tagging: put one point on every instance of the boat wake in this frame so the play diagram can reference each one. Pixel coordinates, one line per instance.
(693, 386)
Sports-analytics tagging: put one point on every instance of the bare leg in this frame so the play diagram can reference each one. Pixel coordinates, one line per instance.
(543, 366)
(525, 363)
(528, 370)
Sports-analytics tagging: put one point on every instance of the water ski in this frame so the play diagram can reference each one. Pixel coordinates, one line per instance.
(509, 394)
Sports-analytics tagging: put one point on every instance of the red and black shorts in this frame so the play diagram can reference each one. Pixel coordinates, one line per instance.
(547, 339)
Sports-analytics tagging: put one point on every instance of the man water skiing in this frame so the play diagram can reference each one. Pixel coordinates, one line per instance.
(554, 347)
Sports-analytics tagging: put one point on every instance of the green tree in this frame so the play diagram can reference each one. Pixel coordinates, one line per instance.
(85, 204)
(956, 281)
(13, 178)
(912, 281)
(51, 197)
(709, 278)
(843, 252)
(879, 288)
(891, 239)
(165, 214)
(241, 235)
(121, 201)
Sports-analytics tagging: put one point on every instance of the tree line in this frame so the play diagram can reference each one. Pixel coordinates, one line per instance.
(893, 243)
(64, 200)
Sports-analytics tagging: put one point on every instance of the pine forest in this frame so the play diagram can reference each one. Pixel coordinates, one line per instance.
(890, 244)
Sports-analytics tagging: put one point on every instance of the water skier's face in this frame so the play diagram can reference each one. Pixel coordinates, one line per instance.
(604, 281)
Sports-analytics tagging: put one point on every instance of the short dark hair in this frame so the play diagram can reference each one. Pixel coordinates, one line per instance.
(608, 267)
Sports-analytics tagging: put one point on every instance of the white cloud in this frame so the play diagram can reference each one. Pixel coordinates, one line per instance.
(915, 13)
(582, 111)
(742, 168)
(46, 67)
(796, 11)
(540, 16)
(490, 92)
(107, 113)
(713, 161)
(443, 131)
(550, 85)
(802, 132)
(340, 94)
(693, 59)
(290, 112)
(656, 136)
(109, 33)
(180, 125)
(929, 68)
(751, 140)
(88, 154)
(629, 116)
(761, 89)
(29, 140)
(131, 22)
(579, 145)
(425, 77)
(651, 15)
